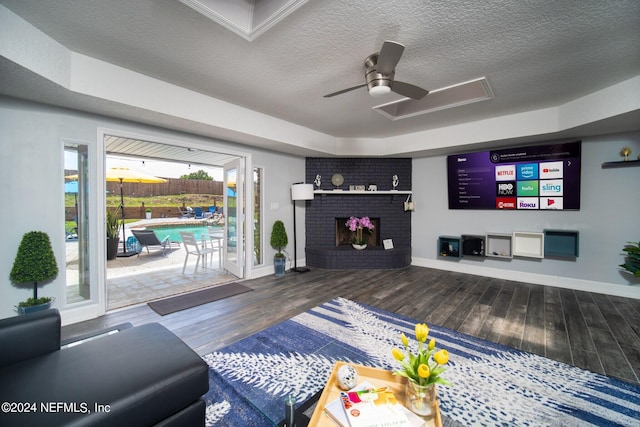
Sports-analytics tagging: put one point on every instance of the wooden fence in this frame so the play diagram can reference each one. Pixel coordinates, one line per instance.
(171, 187)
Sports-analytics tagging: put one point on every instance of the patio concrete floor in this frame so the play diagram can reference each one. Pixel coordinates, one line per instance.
(139, 279)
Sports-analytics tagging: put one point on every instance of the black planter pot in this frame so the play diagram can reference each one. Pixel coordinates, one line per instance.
(112, 248)
(33, 308)
(280, 264)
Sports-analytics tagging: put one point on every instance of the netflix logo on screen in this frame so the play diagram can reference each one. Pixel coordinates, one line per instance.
(506, 188)
(506, 173)
(506, 203)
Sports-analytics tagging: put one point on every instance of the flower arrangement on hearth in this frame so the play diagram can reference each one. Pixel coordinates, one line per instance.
(359, 225)
(425, 366)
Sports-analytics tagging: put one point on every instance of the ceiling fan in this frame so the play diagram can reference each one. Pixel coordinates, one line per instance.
(379, 71)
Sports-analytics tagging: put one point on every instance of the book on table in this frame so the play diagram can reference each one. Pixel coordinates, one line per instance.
(368, 406)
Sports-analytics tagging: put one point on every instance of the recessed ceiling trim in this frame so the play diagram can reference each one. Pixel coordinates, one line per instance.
(438, 99)
(248, 18)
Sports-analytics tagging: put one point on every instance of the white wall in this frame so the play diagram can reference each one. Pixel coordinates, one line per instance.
(607, 219)
(31, 173)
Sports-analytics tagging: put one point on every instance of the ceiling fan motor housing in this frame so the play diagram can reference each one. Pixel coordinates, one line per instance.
(374, 78)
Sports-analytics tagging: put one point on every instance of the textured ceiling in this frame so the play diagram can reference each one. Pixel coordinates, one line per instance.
(534, 54)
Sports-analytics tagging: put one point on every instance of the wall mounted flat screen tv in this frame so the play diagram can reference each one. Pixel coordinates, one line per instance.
(540, 177)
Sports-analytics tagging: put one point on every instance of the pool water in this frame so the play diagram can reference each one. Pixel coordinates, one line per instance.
(174, 232)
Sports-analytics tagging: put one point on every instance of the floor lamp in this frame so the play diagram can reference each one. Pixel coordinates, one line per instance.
(299, 191)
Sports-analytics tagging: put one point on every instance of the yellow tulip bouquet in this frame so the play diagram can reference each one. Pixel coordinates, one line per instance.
(424, 367)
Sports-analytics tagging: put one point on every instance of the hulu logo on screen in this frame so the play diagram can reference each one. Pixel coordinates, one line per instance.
(527, 188)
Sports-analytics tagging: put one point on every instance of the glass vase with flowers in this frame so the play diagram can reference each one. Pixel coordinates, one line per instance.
(422, 370)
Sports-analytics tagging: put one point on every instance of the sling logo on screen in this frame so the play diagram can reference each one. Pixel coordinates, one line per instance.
(551, 187)
(506, 173)
(528, 203)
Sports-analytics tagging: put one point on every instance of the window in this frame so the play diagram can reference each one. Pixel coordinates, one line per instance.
(76, 201)
(257, 216)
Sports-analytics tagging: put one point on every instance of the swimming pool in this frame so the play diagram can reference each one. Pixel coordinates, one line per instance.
(173, 232)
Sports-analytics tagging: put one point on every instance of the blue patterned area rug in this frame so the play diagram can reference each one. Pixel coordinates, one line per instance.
(493, 385)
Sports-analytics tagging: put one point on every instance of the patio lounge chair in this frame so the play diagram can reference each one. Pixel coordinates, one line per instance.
(148, 238)
(198, 213)
(185, 213)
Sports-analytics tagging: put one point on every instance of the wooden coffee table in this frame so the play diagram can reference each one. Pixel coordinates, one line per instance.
(377, 377)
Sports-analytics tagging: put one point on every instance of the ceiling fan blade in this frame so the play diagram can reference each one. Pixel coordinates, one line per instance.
(408, 90)
(344, 90)
(388, 57)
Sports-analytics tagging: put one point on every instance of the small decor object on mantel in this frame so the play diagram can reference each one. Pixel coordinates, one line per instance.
(625, 152)
(394, 182)
(337, 179)
(318, 181)
(359, 225)
(422, 371)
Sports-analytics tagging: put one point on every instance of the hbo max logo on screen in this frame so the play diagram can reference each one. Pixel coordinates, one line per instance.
(506, 188)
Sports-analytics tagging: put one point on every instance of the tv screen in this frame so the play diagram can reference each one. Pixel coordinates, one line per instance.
(540, 177)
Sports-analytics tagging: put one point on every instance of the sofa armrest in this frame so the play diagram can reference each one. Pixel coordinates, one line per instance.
(31, 335)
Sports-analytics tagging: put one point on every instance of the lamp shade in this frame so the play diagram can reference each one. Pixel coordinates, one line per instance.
(302, 192)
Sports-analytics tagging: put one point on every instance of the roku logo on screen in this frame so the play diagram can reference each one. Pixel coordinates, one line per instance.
(528, 203)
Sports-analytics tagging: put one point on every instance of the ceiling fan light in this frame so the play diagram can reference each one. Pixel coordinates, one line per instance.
(378, 91)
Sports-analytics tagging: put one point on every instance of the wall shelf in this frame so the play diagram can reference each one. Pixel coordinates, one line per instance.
(561, 243)
(473, 245)
(528, 244)
(449, 246)
(499, 245)
(351, 193)
(621, 164)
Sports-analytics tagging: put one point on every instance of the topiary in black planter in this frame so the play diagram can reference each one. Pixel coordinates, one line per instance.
(278, 242)
(35, 263)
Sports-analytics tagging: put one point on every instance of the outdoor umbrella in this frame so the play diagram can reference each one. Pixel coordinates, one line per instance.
(121, 175)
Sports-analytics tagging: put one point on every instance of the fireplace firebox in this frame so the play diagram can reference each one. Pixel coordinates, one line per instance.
(344, 236)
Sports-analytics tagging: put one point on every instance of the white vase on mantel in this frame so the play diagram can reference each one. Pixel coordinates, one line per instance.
(359, 247)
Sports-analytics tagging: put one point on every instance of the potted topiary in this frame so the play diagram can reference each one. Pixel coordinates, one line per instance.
(147, 213)
(35, 262)
(113, 233)
(279, 242)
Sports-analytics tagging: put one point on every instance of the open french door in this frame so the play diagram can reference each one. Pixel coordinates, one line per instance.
(234, 217)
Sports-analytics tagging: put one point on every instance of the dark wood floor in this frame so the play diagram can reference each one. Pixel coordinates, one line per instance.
(593, 331)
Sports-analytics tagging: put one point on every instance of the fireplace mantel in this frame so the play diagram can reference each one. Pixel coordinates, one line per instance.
(368, 193)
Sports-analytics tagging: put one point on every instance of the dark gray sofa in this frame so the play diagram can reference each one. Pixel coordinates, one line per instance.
(141, 376)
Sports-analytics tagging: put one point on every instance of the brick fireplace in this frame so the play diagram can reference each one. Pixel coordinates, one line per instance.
(326, 211)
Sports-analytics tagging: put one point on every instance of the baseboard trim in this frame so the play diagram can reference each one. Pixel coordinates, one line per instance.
(627, 291)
